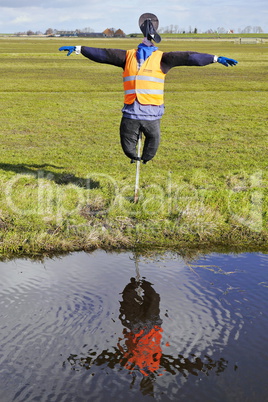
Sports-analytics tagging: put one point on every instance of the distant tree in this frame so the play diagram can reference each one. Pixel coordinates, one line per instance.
(247, 29)
(87, 30)
(30, 33)
(169, 29)
(49, 31)
(221, 30)
(195, 31)
(209, 31)
(163, 30)
(257, 29)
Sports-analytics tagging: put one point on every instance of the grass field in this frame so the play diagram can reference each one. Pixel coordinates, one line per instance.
(66, 184)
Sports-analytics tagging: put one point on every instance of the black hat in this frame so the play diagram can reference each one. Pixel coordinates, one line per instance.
(148, 24)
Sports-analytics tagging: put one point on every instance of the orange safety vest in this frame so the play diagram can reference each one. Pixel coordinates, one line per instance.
(145, 84)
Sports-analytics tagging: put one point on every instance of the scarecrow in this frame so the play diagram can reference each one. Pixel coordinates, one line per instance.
(144, 71)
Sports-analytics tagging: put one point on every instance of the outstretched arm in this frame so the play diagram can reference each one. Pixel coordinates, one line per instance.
(175, 59)
(115, 57)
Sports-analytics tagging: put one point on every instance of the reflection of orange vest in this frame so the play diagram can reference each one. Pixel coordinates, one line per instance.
(144, 350)
(145, 84)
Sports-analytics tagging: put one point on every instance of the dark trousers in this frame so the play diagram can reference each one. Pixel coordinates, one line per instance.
(129, 135)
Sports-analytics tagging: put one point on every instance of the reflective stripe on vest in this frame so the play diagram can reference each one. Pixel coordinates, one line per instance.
(146, 84)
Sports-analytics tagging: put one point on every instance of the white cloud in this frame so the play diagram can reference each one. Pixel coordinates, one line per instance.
(45, 3)
(22, 19)
(22, 15)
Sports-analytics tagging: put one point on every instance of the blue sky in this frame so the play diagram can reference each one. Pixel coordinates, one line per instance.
(39, 15)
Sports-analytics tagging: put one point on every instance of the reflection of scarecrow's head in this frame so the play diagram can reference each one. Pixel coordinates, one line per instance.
(139, 313)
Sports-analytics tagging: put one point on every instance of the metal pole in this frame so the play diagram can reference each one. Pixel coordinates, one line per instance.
(136, 196)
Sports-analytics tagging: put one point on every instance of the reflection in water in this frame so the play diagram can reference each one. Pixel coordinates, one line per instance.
(174, 333)
(139, 313)
(139, 349)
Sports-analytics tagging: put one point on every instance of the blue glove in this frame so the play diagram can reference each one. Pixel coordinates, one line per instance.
(227, 62)
(69, 49)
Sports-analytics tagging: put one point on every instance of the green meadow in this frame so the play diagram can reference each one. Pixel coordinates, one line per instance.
(66, 184)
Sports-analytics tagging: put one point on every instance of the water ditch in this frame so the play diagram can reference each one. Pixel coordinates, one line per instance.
(118, 326)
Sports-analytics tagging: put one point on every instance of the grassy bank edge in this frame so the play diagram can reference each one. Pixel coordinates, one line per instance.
(127, 235)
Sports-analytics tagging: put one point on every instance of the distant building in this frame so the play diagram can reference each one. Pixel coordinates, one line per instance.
(91, 35)
(66, 33)
(119, 34)
(108, 33)
(111, 33)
